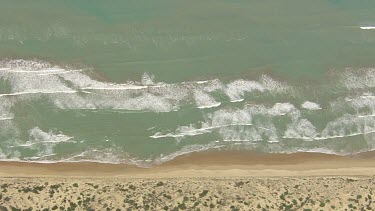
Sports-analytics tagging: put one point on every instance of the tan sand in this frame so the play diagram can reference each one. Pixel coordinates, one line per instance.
(207, 164)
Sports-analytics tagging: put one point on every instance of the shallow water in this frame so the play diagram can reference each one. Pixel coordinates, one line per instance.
(142, 82)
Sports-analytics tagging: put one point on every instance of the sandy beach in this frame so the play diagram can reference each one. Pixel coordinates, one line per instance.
(207, 164)
(226, 180)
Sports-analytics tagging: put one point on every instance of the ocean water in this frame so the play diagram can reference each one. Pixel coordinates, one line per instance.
(141, 82)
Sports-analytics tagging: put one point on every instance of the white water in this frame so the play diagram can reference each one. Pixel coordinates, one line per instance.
(237, 118)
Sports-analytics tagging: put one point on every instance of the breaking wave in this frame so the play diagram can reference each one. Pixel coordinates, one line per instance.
(263, 114)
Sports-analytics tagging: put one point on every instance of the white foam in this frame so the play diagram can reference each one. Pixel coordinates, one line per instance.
(32, 82)
(39, 136)
(183, 131)
(229, 117)
(147, 79)
(186, 150)
(21, 64)
(2, 155)
(191, 130)
(318, 150)
(301, 129)
(210, 106)
(236, 101)
(158, 98)
(107, 155)
(358, 79)
(364, 104)
(311, 106)
(122, 87)
(280, 109)
(47, 71)
(5, 118)
(236, 89)
(348, 125)
(209, 86)
(9, 130)
(44, 142)
(367, 27)
(201, 82)
(237, 140)
(240, 134)
(234, 123)
(114, 156)
(34, 77)
(84, 82)
(5, 109)
(365, 116)
(38, 92)
(204, 100)
(275, 86)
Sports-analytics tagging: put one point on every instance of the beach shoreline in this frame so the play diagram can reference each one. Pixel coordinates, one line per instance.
(207, 164)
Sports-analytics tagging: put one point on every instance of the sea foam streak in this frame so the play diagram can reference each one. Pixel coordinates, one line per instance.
(311, 105)
(367, 27)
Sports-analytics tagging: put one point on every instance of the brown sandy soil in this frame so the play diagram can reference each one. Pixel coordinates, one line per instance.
(274, 193)
(224, 180)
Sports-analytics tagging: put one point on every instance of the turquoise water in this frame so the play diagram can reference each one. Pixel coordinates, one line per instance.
(144, 81)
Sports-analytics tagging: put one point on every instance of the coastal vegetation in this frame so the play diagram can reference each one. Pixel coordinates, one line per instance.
(272, 193)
